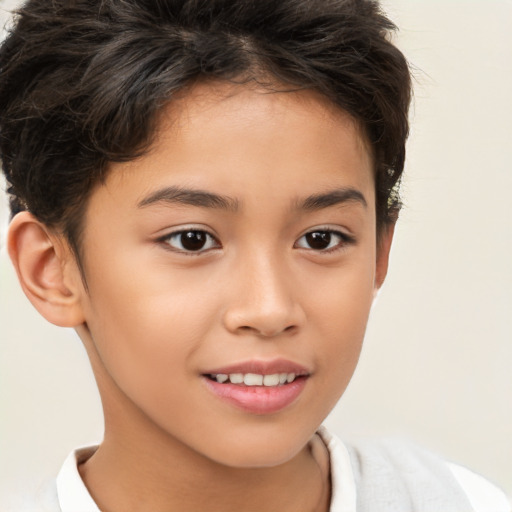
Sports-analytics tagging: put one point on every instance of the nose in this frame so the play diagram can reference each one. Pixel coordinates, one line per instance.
(264, 300)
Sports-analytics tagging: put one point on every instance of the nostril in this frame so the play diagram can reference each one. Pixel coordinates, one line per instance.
(291, 329)
(264, 332)
(252, 319)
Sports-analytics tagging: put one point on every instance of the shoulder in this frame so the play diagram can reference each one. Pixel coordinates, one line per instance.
(482, 494)
(42, 499)
(393, 475)
(66, 493)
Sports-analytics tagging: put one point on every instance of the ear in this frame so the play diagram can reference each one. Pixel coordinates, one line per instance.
(383, 248)
(47, 270)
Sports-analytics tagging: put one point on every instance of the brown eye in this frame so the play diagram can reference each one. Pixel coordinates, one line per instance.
(319, 239)
(191, 240)
(323, 240)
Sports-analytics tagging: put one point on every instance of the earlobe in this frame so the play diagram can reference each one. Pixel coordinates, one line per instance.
(383, 249)
(46, 270)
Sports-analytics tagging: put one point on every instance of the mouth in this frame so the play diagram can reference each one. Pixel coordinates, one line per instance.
(257, 387)
(254, 379)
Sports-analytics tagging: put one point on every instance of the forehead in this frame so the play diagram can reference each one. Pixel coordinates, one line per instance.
(257, 114)
(249, 143)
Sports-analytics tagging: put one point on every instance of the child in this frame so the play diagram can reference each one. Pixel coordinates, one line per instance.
(207, 191)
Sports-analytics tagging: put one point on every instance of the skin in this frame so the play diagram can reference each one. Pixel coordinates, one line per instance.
(155, 318)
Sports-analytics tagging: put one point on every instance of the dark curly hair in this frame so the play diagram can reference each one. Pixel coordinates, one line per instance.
(82, 82)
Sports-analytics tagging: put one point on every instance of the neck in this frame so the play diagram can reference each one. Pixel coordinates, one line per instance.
(131, 481)
(139, 467)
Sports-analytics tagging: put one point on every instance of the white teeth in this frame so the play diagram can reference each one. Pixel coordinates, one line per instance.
(236, 378)
(255, 379)
(252, 379)
(271, 380)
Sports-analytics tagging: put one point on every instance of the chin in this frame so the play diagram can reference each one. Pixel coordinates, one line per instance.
(263, 452)
(256, 459)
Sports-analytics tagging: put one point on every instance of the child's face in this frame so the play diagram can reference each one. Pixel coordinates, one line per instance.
(244, 242)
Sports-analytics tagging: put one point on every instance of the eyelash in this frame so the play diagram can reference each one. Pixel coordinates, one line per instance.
(344, 240)
(166, 240)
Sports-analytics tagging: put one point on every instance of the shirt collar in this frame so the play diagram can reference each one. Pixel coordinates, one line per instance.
(71, 491)
(74, 496)
(343, 486)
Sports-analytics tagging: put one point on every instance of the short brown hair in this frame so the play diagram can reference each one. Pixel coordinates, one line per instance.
(82, 81)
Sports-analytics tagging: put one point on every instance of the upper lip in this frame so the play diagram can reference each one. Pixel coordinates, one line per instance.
(261, 368)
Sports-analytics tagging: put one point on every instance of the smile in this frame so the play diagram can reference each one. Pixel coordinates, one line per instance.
(258, 387)
(254, 379)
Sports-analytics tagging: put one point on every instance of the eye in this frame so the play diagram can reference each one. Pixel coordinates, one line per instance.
(323, 240)
(191, 240)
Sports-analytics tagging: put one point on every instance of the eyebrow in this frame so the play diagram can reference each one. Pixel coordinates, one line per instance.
(191, 197)
(204, 199)
(332, 198)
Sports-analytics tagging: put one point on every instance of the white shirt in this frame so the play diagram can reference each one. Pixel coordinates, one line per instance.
(483, 496)
(73, 496)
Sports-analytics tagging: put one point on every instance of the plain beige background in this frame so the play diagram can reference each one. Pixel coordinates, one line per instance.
(436, 366)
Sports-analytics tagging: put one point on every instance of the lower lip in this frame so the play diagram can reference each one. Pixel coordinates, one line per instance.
(258, 399)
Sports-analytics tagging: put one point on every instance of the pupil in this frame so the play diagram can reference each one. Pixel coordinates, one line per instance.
(193, 240)
(319, 239)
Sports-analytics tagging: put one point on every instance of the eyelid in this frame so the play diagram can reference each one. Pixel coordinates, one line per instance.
(344, 232)
(177, 230)
(347, 238)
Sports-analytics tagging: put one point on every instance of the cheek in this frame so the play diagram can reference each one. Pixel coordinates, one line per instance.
(343, 305)
(341, 298)
(147, 329)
